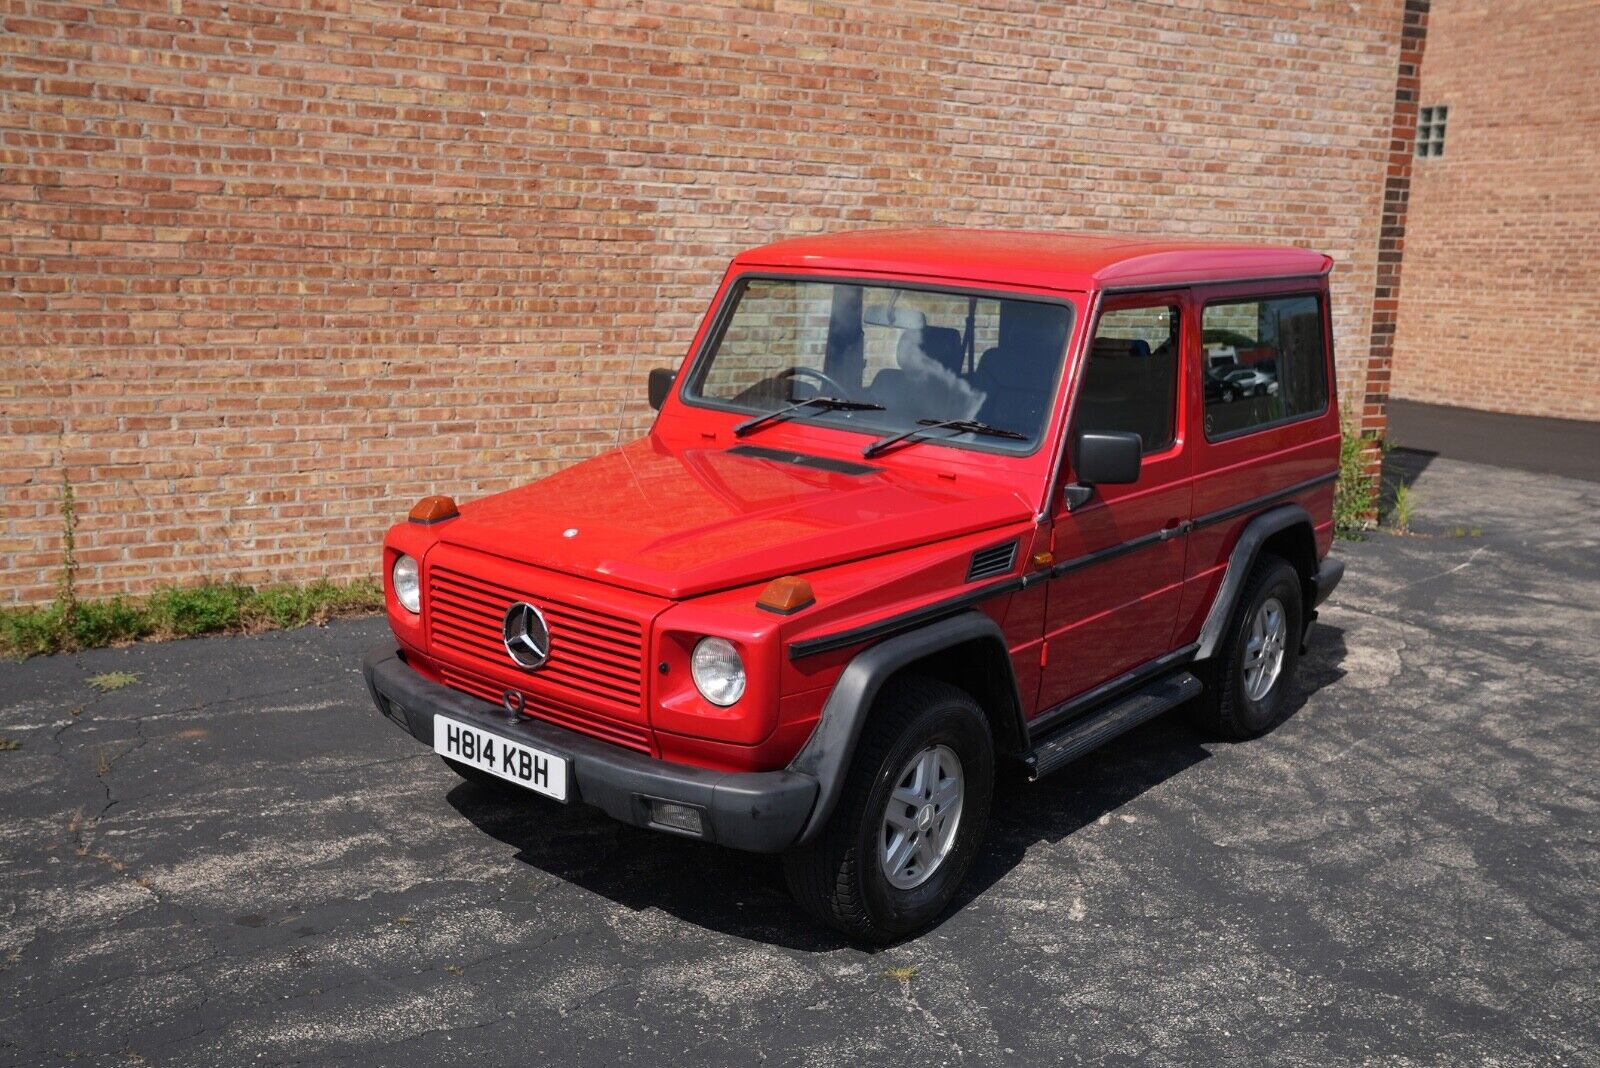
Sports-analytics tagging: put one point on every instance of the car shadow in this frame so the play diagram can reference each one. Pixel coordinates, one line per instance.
(743, 894)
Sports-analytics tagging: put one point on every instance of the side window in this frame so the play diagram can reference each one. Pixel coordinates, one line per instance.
(1264, 363)
(1131, 379)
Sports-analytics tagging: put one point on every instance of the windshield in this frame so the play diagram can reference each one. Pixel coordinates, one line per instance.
(922, 354)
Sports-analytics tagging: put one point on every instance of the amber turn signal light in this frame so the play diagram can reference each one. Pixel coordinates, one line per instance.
(435, 509)
(786, 595)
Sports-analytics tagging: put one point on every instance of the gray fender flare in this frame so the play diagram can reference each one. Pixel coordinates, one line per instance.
(826, 755)
(1240, 562)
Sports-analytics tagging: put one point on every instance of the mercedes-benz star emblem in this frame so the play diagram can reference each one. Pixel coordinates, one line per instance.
(526, 634)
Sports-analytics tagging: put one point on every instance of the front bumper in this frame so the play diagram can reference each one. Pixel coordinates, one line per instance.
(760, 811)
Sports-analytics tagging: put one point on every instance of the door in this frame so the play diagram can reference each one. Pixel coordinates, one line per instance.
(1118, 560)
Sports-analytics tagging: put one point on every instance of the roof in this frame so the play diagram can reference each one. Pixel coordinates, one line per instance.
(1055, 261)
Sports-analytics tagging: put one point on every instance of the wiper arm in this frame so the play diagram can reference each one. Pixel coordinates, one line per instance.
(926, 426)
(822, 404)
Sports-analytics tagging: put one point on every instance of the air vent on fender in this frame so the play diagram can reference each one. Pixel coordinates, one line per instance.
(996, 560)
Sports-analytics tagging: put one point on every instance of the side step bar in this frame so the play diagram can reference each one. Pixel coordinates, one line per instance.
(1062, 746)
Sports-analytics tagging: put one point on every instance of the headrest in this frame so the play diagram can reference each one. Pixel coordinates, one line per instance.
(897, 317)
(941, 344)
(1024, 324)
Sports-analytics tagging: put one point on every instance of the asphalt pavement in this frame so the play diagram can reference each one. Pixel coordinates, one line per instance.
(228, 857)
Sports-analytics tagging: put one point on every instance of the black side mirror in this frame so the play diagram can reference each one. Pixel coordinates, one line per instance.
(1103, 457)
(661, 379)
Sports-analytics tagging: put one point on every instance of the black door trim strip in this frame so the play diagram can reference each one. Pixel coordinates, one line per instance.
(951, 605)
(1235, 510)
(905, 621)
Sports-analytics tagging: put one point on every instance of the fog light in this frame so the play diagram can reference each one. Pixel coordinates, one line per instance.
(676, 817)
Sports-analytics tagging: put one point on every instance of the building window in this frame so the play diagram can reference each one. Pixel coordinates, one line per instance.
(1430, 130)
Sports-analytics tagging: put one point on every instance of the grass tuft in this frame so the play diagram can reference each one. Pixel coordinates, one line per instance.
(8, 744)
(113, 680)
(180, 612)
(1404, 503)
(1355, 497)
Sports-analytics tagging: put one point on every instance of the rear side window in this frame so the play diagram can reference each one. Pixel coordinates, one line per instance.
(1131, 379)
(1264, 363)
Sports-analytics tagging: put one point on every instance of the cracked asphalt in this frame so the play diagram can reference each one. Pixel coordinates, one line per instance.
(235, 860)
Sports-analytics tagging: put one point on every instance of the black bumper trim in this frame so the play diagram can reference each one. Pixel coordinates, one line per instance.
(760, 811)
(1329, 572)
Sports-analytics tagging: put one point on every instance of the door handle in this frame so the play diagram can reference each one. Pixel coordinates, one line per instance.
(1176, 528)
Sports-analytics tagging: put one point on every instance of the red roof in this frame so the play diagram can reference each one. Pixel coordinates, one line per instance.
(1054, 261)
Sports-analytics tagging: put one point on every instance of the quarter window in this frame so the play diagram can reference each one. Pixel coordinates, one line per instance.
(1265, 362)
(1131, 379)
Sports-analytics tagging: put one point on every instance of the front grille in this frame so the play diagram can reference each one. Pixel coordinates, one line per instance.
(609, 730)
(591, 682)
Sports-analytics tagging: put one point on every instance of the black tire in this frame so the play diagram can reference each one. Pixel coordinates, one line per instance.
(1227, 710)
(490, 784)
(838, 876)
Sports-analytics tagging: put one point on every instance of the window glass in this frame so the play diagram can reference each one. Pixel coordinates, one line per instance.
(921, 354)
(1264, 363)
(1131, 380)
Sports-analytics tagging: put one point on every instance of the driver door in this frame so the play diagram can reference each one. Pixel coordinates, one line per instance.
(1112, 605)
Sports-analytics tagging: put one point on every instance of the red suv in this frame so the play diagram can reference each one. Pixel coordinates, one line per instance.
(916, 504)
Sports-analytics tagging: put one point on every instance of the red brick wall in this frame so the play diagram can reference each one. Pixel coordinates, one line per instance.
(1502, 286)
(268, 272)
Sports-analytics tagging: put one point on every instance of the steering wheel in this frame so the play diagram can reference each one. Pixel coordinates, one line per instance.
(811, 372)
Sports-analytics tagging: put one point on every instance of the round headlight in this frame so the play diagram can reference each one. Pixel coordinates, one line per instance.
(718, 672)
(407, 590)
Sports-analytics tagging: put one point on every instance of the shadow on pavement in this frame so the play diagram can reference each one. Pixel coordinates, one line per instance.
(743, 894)
(1401, 467)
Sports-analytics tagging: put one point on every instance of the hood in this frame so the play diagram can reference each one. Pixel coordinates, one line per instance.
(678, 522)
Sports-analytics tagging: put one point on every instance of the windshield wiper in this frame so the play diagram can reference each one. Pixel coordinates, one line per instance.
(821, 404)
(925, 426)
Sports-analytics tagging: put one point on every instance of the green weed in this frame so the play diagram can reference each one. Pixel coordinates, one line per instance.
(113, 680)
(1355, 495)
(180, 612)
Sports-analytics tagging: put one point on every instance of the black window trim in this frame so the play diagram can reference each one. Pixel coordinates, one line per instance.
(690, 379)
(1327, 346)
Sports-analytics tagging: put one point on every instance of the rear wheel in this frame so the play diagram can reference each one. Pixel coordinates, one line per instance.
(910, 819)
(1249, 679)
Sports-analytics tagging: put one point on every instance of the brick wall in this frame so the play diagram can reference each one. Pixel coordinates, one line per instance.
(268, 272)
(1502, 287)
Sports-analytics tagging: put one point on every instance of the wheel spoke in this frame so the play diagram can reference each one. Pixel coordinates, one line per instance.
(898, 853)
(905, 795)
(928, 773)
(947, 794)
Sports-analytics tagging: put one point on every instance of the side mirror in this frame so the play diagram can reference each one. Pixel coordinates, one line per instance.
(661, 379)
(1103, 457)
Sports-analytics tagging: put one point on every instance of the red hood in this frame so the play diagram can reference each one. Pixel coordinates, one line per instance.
(682, 522)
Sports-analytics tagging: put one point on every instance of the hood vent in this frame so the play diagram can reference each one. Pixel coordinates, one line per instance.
(987, 563)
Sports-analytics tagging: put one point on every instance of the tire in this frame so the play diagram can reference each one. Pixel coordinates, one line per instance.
(1234, 705)
(841, 876)
(490, 784)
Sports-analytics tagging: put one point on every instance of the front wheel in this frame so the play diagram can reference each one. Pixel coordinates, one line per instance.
(910, 819)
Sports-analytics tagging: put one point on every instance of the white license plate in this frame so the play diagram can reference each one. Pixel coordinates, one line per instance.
(541, 772)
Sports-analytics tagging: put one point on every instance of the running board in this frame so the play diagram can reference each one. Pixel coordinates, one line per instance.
(1062, 746)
